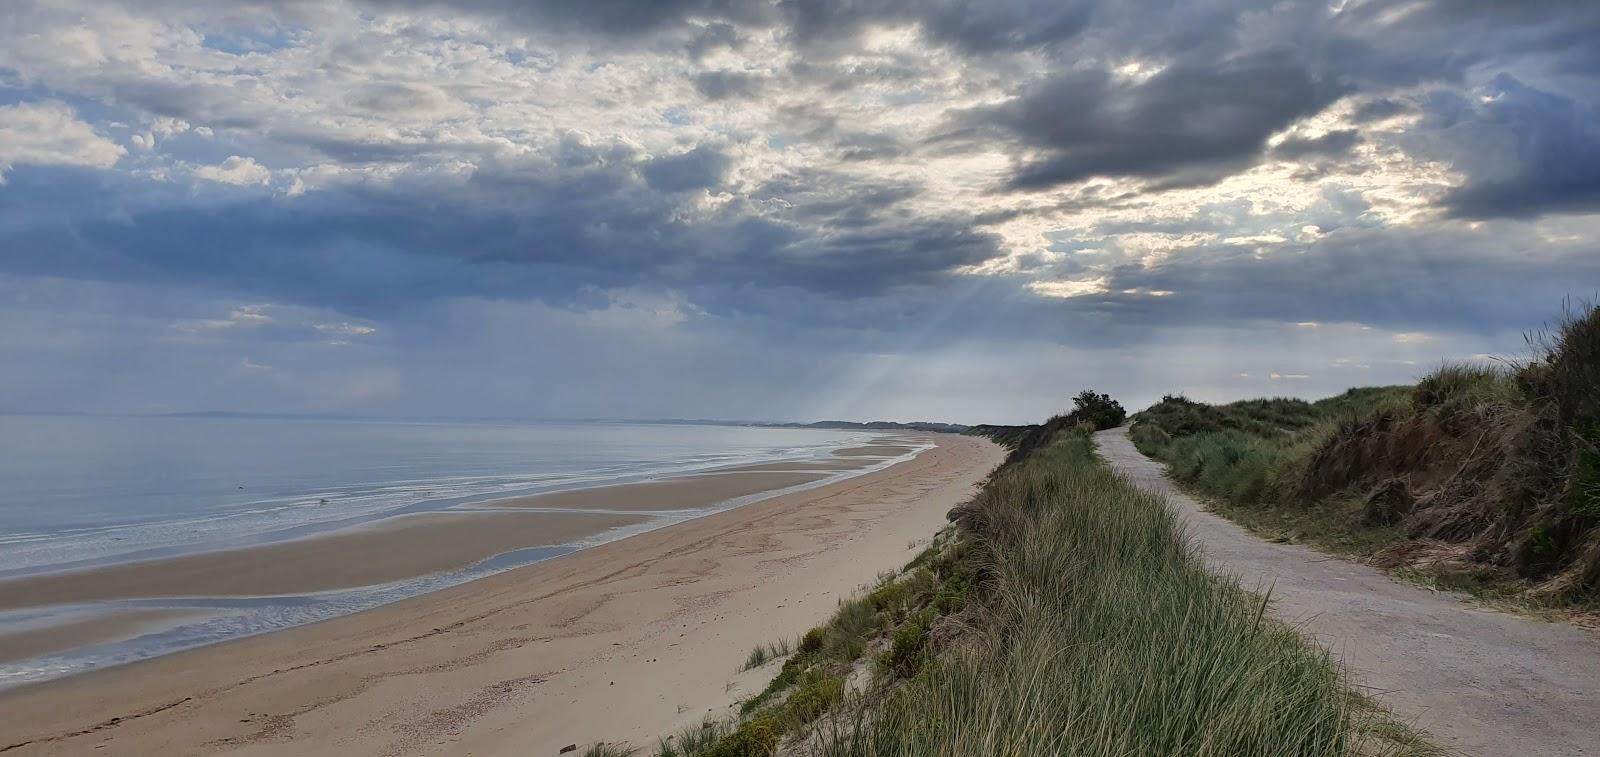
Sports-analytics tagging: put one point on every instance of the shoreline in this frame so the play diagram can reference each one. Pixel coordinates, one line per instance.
(129, 611)
(520, 654)
(355, 503)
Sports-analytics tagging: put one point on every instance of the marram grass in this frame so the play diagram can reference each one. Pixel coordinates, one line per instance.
(1105, 636)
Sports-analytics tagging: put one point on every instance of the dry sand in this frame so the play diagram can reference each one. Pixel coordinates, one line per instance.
(624, 641)
(389, 550)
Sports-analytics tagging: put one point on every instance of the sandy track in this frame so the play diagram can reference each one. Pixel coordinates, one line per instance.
(621, 642)
(1481, 682)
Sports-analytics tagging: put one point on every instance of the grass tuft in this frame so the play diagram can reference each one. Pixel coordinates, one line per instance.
(761, 654)
(603, 749)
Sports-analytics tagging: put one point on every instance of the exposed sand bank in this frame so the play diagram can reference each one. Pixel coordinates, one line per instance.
(623, 641)
(81, 632)
(679, 493)
(835, 464)
(876, 450)
(388, 550)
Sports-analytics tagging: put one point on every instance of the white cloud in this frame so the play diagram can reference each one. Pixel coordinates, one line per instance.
(345, 329)
(1068, 288)
(242, 317)
(240, 172)
(49, 133)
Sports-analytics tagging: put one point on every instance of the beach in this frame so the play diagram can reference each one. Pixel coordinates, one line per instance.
(623, 641)
(390, 550)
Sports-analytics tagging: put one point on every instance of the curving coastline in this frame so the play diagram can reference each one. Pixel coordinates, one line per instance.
(529, 653)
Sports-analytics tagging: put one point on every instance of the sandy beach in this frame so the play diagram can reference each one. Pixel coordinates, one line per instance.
(389, 550)
(621, 642)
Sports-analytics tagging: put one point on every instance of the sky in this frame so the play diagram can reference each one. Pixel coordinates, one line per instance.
(957, 210)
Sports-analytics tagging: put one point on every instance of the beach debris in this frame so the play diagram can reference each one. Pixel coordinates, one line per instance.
(568, 748)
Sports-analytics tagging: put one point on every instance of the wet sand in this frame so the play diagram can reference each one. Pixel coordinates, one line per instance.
(388, 550)
(87, 631)
(679, 493)
(877, 450)
(836, 464)
(624, 641)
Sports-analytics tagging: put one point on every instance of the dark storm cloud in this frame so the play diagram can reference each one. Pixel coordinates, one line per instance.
(1450, 279)
(821, 194)
(974, 26)
(859, 147)
(703, 167)
(599, 218)
(718, 35)
(585, 219)
(196, 102)
(1235, 72)
(1545, 154)
(722, 85)
(1379, 109)
(613, 18)
(1204, 120)
(1334, 144)
(388, 97)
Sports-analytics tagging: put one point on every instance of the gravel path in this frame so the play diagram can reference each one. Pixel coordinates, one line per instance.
(1480, 682)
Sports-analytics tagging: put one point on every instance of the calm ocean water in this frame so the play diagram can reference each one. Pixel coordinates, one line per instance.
(81, 491)
(76, 490)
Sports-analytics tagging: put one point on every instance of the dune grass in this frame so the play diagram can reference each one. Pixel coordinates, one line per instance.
(609, 750)
(1104, 635)
(1483, 477)
(761, 654)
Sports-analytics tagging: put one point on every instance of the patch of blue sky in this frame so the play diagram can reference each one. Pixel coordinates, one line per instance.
(19, 93)
(524, 58)
(246, 41)
(678, 116)
(908, 97)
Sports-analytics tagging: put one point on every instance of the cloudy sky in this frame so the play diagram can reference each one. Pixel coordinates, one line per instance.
(959, 210)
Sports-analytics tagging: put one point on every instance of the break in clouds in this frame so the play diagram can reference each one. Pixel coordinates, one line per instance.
(794, 209)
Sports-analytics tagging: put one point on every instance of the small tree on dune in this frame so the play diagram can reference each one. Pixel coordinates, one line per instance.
(1098, 410)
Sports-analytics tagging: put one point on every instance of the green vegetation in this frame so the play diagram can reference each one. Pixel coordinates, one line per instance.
(1090, 411)
(1246, 452)
(609, 750)
(1100, 634)
(763, 653)
(1482, 477)
(694, 740)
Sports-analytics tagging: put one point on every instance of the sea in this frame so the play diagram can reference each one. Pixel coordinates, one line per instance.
(84, 491)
